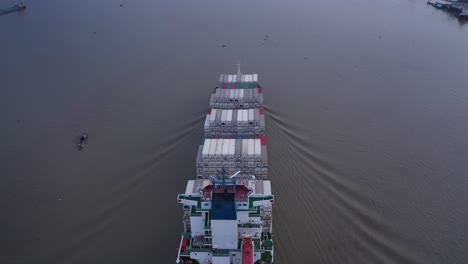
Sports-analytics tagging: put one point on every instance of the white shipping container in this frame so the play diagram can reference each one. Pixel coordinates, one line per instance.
(212, 115)
(243, 78)
(221, 78)
(234, 78)
(232, 147)
(251, 115)
(231, 94)
(219, 147)
(245, 147)
(255, 77)
(230, 79)
(206, 147)
(212, 150)
(223, 115)
(241, 94)
(258, 148)
(229, 116)
(225, 150)
(241, 119)
(236, 94)
(251, 147)
(228, 144)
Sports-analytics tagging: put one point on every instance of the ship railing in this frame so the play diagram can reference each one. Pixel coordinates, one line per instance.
(220, 252)
(198, 249)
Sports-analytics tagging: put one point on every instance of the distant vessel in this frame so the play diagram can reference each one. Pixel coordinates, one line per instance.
(82, 140)
(16, 7)
(452, 6)
(227, 210)
(438, 4)
(463, 14)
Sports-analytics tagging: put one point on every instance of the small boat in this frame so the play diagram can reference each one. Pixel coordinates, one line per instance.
(82, 140)
(16, 7)
(439, 4)
(463, 14)
(455, 7)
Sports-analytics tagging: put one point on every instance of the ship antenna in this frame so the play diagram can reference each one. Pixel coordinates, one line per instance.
(238, 68)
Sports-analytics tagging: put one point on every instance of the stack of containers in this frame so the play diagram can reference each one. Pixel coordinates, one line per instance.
(237, 91)
(234, 130)
(236, 98)
(249, 156)
(239, 81)
(235, 122)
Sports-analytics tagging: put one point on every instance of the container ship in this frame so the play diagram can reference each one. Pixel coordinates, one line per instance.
(227, 209)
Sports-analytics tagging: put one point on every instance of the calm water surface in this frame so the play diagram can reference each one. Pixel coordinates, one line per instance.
(367, 107)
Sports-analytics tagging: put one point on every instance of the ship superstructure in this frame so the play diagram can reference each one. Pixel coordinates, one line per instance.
(227, 210)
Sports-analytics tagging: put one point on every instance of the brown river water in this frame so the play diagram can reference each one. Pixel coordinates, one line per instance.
(367, 126)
